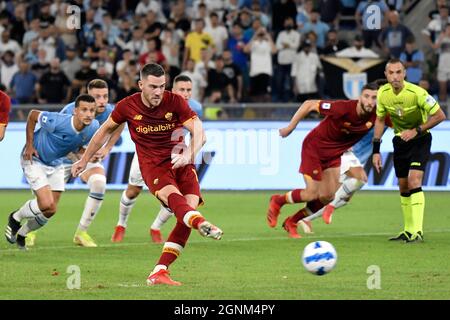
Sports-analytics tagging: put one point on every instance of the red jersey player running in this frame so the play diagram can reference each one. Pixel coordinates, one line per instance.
(345, 123)
(155, 119)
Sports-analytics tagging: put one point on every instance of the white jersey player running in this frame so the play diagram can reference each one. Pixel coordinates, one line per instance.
(182, 85)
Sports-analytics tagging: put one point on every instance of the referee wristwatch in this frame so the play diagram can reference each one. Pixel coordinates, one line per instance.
(419, 130)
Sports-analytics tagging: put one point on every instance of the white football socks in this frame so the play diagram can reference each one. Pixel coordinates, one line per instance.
(97, 187)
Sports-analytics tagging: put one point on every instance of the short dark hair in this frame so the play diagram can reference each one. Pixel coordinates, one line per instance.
(370, 86)
(395, 60)
(152, 69)
(181, 77)
(381, 82)
(97, 84)
(85, 98)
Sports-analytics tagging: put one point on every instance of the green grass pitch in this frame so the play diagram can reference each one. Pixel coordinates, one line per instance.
(252, 261)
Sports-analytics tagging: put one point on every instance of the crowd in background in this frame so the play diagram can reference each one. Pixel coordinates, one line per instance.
(233, 50)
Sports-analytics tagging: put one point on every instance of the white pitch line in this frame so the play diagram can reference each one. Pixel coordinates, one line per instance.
(307, 237)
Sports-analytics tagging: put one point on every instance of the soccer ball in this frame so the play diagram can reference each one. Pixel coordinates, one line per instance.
(319, 257)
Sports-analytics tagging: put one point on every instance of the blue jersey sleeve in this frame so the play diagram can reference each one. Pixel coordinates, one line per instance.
(68, 109)
(49, 120)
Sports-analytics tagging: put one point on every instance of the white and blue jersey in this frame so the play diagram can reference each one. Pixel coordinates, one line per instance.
(57, 137)
(101, 118)
(196, 106)
(363, 148)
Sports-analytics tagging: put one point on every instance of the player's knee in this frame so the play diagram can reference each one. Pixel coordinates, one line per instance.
(97, 186)
(133, 192)
(48, 208)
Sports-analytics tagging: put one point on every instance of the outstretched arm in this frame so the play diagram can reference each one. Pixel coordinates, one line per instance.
(98, 140)
(198, 139)
(306, 107)
(106, 149)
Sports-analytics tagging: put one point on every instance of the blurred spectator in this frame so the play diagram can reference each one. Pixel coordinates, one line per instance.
(83, 76)
(218, 33)
(137, 44)
(170, 47)
(8, 68)
(282, 9)
(72, 64)
(201, 13)
(363, 16)
(96, 5)
(127, 87)
(433, 14)
(196, 41)
(44, 13)
(233, 72)
(42, 65)
(180, 16)
(357, 50)
(8, 44)
(443, 70)
(305, 70)
(125, 34)
(236, 44)
(261, 49)
(4, 20)
(124, 65)
(145, 6)
(333, 44)
(31, 54)
(245, 20)
(320, 28)
(413, 60)
(202, 67)
(153, 54)
(287, 44)
(154, 27)
(87, 36)
(219, 89)
(255, 26)
(348, 7)
(304, 13)
(23, 84)
(110, 29)
(32, 33)
(19, 23)
(436, 26)
(257, 13)
(46, 41)
(103, 61)
(67, 34)
(198, 82)
(54, 87)
(329, 11)
(393, 37)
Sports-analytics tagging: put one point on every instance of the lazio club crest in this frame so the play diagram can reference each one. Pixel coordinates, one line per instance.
(352, 84)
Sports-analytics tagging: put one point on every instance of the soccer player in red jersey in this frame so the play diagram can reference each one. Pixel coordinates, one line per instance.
(156, 119)
(5, 108)
(345, 123)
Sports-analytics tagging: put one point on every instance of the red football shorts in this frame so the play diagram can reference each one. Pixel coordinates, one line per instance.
(185, 178)
(313, 161)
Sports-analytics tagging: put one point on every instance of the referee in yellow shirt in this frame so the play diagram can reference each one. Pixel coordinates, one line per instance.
(413, 113)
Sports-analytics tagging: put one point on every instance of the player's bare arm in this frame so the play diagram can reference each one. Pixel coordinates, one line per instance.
(29, 150)
(378, 133)
(198, 139)
(98, 140)
(432, 121)
(106, 149)
(306, 108)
